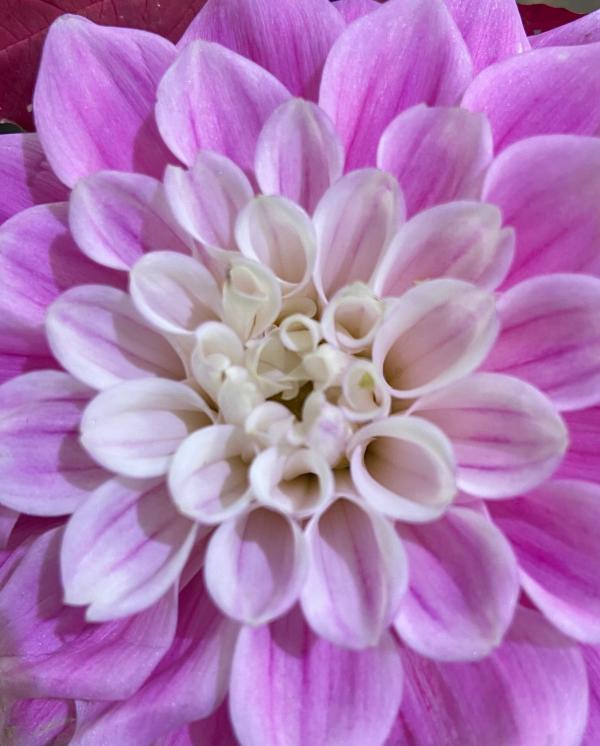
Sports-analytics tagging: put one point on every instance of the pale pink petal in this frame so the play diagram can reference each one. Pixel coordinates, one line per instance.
(357, 575)
(37, 722)
(581, 460)
(553, 533)
(214, 99)
(256, 565)
(463, 587)
(48, 650)
(8, 518)
(531, 691)
(506, 436)
(298, 153)
(581, 30)
(438, 154)
(558, 176)
(406, 52)
(591, 655)
(352, 10)
(123, 548)
(25, 175)
(118, 130)
(436, 333)
(115, 218)
(550, 337)
(215, 730)
(135, 428)
(355, 221)
(551, 92)
(43, 468)
(97, 334)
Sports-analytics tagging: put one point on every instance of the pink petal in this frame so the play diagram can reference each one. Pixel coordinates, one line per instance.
(532, 691)
(438, 154)
(256, 565)
(407, 52)
(553, 533)
(463, 587)
(116, 218)
(551, 337)
(548, 189)
(581, 460)
(118, 131)
(48, 650)
(298, 153)
(214, 99)
(352, 10)
(551, 92)
(289, 39)
(592, 661)
(215, 730)
(582, 30)
(8, 518)
(26, 177)
(506, 436)
(357, 575)
(98, 335)
(38, 722)
(44, 470)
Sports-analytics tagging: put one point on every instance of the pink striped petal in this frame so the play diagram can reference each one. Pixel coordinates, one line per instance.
(438, 154)
(506, 436)
(48, 650)
(44, 470)
(26, 177)
(116, 218)
(209, 84)
(290, 686)
(551, 338)
(460, 240)
(556, 175)
(97, 334)
(463, 587)
(551, 93)
(135, 428)
(37, 722)
(352, 10)
(215, 730)
(355, 222)
(298, 153)
(531, 691)
(118, 131)
(357, 575)
(289, 39)
(407, 52)
(591, 656)
(123, 548)
(256, 565)
(436, 333)
(553, 532)
(581, 460)
(581, 30)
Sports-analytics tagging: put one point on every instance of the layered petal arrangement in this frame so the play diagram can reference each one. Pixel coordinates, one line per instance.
(300, 351)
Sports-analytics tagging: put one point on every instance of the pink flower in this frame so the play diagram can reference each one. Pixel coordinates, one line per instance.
(300, 339)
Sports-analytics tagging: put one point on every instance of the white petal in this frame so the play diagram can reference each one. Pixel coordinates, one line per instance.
(251, 297)
(351, 318)
(217, 348)
(364, 393)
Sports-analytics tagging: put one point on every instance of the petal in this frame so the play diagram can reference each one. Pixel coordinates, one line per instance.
(135, 428)
(357, 575)
(351, 10)
(548, 189)
(460, 240)
(215, 730)
(48, 650)
(551, 337)
(463, 587)
(256, 565)
(25, 174)
(214, 99)
(43, 468)
(298, 153)
(551, 93)
(289, 39)
(366, 84)
(80, 57)
(38, 722)
(355, 222)
(116, 218)
(8, 518)
(97, 334)
(592, 660)
(403, 467)
(532, 690)
(506, 436)
(553, 533)
(436, 333)
(581, 30)
(290, 686)
(580, 461)
(438, 154)
(123, 549)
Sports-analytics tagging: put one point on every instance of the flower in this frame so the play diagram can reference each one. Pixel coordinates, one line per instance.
(307, 334)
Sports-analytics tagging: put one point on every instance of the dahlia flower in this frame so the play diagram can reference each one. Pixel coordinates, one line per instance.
(300, 342)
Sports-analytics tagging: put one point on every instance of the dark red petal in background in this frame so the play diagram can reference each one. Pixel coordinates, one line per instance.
(538, 18)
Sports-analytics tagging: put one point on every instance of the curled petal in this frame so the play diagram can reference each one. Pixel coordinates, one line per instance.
(364, 394)
(217, 348)
(351, 318)
(299, 333)
(269, 423)
(251, 297)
